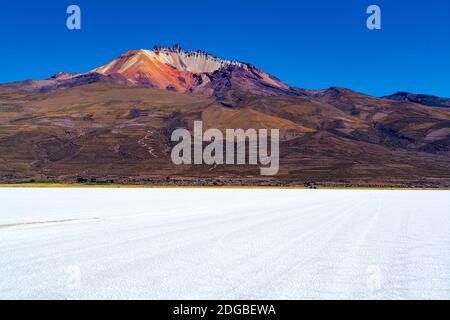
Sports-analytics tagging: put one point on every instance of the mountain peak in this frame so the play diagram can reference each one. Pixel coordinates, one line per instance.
(172, 68)
(423, 99)
(195, 62)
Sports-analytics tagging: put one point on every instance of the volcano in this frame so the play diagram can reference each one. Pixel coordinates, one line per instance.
(171, 69)
(114, 123)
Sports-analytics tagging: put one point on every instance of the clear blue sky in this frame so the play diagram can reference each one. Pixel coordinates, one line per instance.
(308, 44)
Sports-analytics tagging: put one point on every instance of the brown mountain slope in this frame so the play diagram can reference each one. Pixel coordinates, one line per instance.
(107, 131)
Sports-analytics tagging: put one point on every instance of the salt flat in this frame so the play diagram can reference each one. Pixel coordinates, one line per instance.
(224, 244)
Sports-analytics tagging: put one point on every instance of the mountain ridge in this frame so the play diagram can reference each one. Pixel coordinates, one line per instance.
(196, 72)
(425, 99)
(115, 123)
